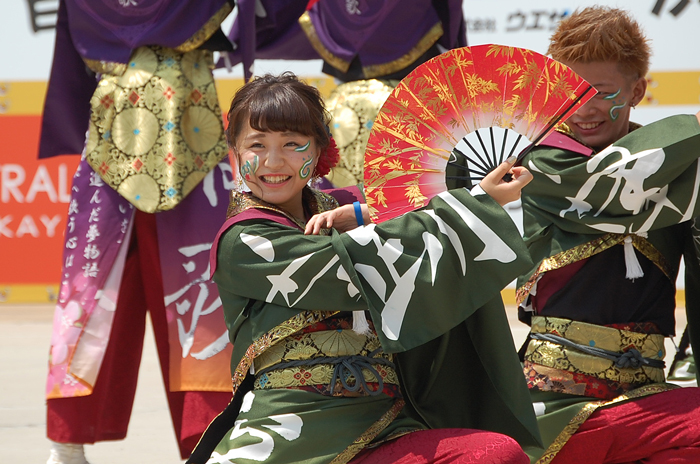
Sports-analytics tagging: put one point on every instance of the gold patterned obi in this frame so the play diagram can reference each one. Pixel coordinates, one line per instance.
(591, 360)
(317, 201)
(328, 362)
(353, 107)
(156, 130)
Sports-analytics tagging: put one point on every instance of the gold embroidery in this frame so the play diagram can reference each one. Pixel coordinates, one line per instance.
(156, 131)
(353, 106)
(376, 70)
(206, 30)
(654, 255)
(330, 58)
(555, 356)
(316, 344)
(589, 409)
(320, 374)
(275, 335)
(588, 249)
(327, 343)
(366, 438)
(318, 202)
(197, 39)
(106, 67)
(549, 379)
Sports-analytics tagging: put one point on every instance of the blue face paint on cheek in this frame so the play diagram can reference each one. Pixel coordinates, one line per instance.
(616, 107)
(248, 169)
(305, 170)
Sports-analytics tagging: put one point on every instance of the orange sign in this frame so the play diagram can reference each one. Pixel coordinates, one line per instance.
(34, 196)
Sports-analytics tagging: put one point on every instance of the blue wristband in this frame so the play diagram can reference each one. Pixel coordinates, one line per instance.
(358, 213)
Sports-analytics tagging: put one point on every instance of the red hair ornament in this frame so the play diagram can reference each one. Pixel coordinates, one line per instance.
(327, 160)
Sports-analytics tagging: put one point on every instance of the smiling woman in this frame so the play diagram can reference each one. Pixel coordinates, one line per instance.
(324, 312)
(276, 158)
(277, 165)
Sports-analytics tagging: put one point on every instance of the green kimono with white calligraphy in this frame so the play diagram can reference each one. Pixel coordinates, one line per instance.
(643, 190)
(645, 181)
(430, 282)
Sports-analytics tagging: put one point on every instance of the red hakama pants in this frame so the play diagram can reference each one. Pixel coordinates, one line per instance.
(446, 446)
(104, 415)
(659, 429)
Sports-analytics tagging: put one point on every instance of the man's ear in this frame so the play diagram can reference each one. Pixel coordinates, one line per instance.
(639, 90)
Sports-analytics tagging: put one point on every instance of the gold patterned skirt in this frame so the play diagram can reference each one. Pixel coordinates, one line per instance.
(156, 130)
(354, 106)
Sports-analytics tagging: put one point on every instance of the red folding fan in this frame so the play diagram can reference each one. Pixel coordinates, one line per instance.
(430, 119)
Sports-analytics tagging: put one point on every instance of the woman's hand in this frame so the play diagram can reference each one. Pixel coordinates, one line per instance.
(341, 219)
(500, 190)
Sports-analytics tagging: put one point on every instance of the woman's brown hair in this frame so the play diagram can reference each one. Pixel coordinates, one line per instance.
(278, 104)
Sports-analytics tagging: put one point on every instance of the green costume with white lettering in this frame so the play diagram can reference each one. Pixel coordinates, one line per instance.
(586, 293)
(438, 352)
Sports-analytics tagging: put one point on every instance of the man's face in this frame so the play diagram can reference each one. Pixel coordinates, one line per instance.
(605, 118)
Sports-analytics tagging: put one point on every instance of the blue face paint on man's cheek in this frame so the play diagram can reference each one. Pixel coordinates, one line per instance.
(615, 105)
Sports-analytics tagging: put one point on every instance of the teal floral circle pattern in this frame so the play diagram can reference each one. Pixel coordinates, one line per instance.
(135, 130)
(200, 128)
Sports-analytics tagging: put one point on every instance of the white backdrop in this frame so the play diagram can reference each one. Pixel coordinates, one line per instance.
(672, 25)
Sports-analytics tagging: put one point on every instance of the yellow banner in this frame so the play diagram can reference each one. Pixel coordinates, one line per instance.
(665, 88)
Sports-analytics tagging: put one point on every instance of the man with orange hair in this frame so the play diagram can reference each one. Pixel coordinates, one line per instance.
(606, 220)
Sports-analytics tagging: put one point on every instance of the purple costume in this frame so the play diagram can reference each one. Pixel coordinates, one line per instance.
(97, 47)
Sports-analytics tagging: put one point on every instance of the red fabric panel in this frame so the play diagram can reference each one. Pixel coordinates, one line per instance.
(661, 428)
(559, 140)
(446, 446)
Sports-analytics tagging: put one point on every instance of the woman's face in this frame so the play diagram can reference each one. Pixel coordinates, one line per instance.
(605, 118)
(276, 166)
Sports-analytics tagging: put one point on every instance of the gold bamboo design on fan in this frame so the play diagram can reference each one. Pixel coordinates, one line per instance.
(411, 134)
